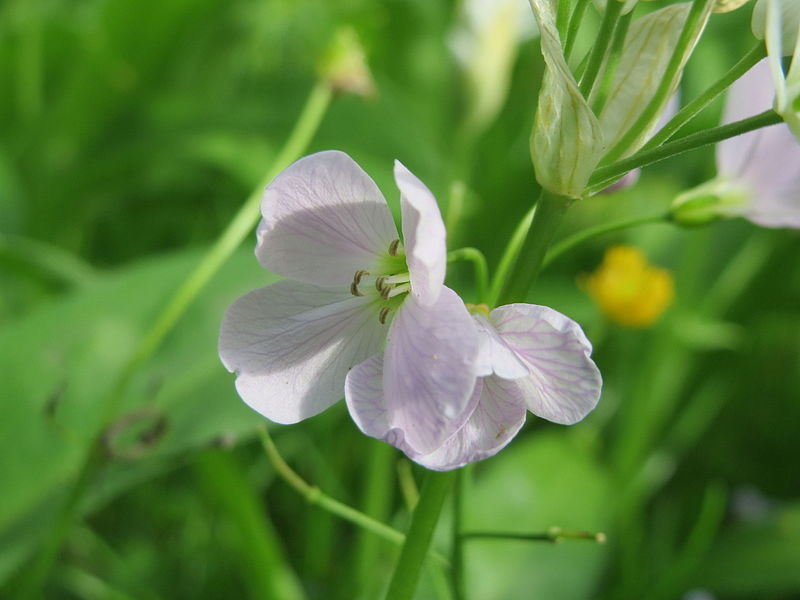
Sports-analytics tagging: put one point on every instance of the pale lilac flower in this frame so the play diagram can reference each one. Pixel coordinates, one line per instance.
(353, 295)
(758, 173)
(532, 358)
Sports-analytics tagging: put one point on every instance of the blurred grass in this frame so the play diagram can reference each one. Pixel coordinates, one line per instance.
(131, 132)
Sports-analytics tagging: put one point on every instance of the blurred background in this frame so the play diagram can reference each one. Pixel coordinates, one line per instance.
(132, 131)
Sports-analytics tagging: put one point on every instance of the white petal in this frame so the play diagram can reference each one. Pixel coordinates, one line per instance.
(423, 236)
(291, 345)
(498, 416)
(564, 385)
(765, 161)
(324, 219)
(429, 370)
(494, 355)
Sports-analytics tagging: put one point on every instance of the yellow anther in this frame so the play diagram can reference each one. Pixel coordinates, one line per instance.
(383, 314)
(379, 284)
(354, 289)
(393, 247)
(628, 289)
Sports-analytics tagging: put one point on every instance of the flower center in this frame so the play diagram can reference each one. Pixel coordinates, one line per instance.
(390, 283)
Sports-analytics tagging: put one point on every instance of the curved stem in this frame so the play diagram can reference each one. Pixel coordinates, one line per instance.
(420, 533)
(578, 238)
(478, 261)
(549, 211)
(688, 112)
(552, 535)
(239, 227)
(695, 22)
(509, 256)
(598, 53)
(604, 176)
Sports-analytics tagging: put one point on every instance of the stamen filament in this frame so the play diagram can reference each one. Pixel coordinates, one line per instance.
(396, 290)
(401, 278)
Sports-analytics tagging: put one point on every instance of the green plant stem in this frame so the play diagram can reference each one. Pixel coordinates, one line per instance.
(50, 261)
(510, 254)
(615, 52)
(420, 532)
(586, 234)
(688, 112)
(549, 211)
(598, 53)
(695, 22)
(562, 18)
(552, 535)
(241, 225)
(456, 541)
(478, 261)
(604, 176)
(574, 26)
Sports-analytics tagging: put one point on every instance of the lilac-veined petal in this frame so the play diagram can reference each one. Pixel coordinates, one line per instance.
(498, 416)
(291, 345)
(766, 161)
(494, 355)
(564, 384)
(429, 370)
(323, 220)
(423, 236)
(363, 392)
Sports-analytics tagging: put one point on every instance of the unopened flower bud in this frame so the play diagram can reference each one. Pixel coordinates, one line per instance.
(344, 65)
(714, 200)
(723, 6)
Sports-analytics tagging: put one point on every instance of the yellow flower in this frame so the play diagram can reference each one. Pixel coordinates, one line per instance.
(628, 289)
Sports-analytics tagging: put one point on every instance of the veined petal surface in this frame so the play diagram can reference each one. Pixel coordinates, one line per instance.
(498, 416)
(291, 345)
(494, 355)
(564, 384)
(423, 235)
(429, 370)
(323, 220)
(765, 161)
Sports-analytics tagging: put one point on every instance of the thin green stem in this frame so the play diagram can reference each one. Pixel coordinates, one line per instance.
(509, 256)
(688, 112)
(604, 176)
(456, 545)
(49, 260)
(695, 22)
(552, 535)
(241, 225)
(562, 18)
(598, 53)
(578, 238)
(478, 261)
(574, 26)
(615, 51)
(317, 497)
(549, 211)
(418, 539)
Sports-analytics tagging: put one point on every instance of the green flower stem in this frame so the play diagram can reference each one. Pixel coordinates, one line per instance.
(695, 22)
(689, 111)
(604, 176)
(238, 229)
(241, 225)
(562, 18)
(456, 541)
(317, 497)
(598, 53)
(549, 211)
(578, 238)
(420, 532)
(552, 535)
(574, 26)
(478, 261)
(614, 54)
(509, 256)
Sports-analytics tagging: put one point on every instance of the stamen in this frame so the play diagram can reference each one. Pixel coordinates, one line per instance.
(359, 274)
(396, 291)
(401, 278)
(383, 314)
(354, 289)
(379, 283)
(393, 247)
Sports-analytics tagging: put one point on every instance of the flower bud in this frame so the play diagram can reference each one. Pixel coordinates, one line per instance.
(344, 65)
(788, 16)
(723, 6)
(709, 202)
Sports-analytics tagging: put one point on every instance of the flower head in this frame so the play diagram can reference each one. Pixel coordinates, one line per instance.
(532, 358)
(353, 294)
(628, 290)
(758, 173)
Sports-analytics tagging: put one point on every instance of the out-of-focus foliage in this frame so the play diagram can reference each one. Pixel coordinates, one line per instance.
(131, 132)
